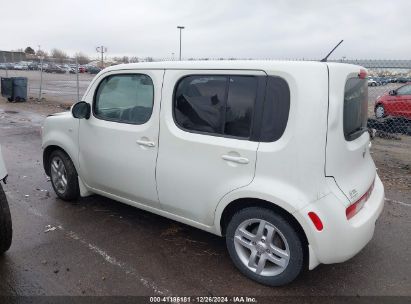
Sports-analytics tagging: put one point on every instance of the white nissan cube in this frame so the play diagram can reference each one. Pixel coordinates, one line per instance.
(274, 156)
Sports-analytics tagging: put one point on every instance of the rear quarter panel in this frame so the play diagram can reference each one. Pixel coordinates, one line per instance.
(290, 171)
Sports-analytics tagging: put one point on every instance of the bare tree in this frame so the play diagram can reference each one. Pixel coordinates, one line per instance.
(134, 59)
(41, 53)
(29, 50)
(125, 59)
(82, 58)
(59, 55)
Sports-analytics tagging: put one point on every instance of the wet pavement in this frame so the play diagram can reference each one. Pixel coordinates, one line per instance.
(97, 246)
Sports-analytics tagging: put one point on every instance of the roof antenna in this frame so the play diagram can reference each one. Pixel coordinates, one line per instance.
(326, 57)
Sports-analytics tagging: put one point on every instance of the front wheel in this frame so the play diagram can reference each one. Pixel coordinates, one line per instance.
(6, 231)
(264, 246)
(63, 175)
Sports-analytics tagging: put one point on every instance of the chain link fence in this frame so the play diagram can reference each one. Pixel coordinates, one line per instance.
(389, 103)
(389, 98)
(59, 81)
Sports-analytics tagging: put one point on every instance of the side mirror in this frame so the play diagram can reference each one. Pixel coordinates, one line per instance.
(392, 92)
(81, 110)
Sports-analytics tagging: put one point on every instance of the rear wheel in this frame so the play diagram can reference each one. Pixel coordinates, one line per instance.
(264, 246)
(63, 175)
(6, 231)
(379, 111)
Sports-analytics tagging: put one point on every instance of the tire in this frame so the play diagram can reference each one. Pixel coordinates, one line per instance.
(6, 230)
(257, 247)
(62, 169)
(379, 111)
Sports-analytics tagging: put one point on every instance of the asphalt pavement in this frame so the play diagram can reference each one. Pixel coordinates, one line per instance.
(97, 246)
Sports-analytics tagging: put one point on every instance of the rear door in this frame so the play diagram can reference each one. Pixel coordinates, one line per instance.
(206, 146)
(348, 158)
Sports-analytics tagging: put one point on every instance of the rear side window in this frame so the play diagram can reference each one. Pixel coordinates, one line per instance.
(219, 105)
(276, 109)
(125, 98)
(355, 108)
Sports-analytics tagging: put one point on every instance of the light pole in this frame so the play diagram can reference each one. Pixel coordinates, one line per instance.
(101, 49)
(180, 28)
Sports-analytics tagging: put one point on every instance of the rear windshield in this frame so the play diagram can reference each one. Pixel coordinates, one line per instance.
(355, 108)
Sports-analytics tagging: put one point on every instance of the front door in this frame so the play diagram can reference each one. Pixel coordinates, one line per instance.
(119, 142)
(402, 106)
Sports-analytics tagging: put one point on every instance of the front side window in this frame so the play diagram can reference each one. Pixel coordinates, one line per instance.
(355, 108)
(220, 105)
(125, 98)
(405, 90)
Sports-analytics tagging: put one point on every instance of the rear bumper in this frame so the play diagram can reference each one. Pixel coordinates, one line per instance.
(340, 238)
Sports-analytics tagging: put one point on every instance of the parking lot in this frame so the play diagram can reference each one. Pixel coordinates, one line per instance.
(60, 88)
(96, 246)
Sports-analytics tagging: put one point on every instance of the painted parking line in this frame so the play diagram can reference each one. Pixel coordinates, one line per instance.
(397, 202)
(127, 269)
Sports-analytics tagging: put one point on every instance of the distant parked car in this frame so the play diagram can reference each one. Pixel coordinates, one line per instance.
(382, 80)
(33, 66)
(93, 70)
(54, 69)
(372, 83)
(395, 103)
(82, 69)
(19, 67)
(402, 79)
(2, 66)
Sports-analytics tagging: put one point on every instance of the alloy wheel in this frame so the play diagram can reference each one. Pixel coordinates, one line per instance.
(261, 247)
(58, 175)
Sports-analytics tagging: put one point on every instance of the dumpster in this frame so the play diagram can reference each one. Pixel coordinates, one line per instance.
(7, 88)
(14, 88)
(20, 88)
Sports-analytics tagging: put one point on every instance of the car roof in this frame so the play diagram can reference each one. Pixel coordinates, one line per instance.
(217, 64)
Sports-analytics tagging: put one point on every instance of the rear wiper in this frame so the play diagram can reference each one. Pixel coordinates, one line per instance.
(356, 131)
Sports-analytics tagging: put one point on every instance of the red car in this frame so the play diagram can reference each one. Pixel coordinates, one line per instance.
(395, 103)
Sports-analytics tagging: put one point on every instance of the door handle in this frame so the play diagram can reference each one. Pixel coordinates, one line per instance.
(236, 159)
(146, 143)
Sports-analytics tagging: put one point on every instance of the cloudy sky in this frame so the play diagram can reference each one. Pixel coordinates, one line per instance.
(278, 29)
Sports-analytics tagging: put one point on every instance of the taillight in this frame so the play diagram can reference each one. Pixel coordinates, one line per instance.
(357, 206)
(362, 74)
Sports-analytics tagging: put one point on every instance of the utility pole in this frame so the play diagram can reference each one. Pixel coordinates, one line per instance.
(101, 49)
(77, 81)
(180, 28)
(41, 76)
